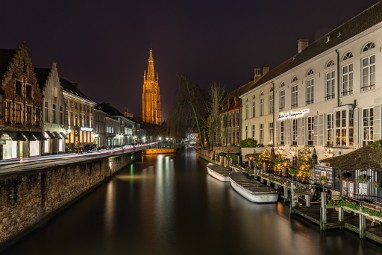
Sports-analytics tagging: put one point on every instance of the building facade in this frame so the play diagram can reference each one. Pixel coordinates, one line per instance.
(53, 114)
(79, 116)
(151, 110)
(328, 95)
(21, 103)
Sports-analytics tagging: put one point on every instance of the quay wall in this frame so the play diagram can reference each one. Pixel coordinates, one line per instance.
(31, 196)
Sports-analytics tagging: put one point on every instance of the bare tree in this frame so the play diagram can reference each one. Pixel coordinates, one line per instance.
(216, 96)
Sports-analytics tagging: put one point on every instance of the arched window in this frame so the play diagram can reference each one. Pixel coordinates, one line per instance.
(347, 56)
(368, 46)
(330, 63)
(282, 84)
(310, 72)
(294, 79)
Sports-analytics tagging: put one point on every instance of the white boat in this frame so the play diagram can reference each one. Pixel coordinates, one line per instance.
(218, 172)
(255, 192)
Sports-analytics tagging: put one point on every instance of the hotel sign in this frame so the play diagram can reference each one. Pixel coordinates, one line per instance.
(292, 114)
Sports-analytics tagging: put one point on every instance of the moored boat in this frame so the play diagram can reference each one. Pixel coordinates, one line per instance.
(218, 172)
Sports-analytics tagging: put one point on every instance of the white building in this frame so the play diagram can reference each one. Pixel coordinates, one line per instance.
(328, 96)
(53, 110)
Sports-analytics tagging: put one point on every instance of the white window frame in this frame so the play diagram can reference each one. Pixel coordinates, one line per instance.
(330, 82)
(347, 80)
(368, 125)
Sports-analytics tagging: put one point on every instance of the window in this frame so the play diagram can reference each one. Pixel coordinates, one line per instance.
(282, 130)
(19, 88)
(71, 119)
(261, 106)
(368, 46)
(270, 127)
(347, 56)
(330, 85)
(294, 132)
(261, 133)
(271, 103)
(246, 132)
(54, 114)
(246, 109)
(310, 130)
(7, 112)
(282, 100)
(329, 128)
(38, 117)
(310, 91)
(294, 95)
(253, 131)
(28, 91)
(347, 80)
(253, 107)
(368, 73)
(61, 115)
(330, 63)
(344, 128)
(368, 130)
(54, 92)
(46, 112)
(18, 113)
(29, 115)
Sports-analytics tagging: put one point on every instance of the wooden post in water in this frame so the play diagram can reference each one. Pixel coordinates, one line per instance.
(362, 224)
(323, 215)
(340, 214)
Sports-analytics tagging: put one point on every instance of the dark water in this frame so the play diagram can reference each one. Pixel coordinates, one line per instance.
(169, 205)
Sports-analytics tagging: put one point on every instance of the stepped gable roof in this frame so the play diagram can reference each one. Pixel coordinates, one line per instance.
(109, 109)
(354, 26)
(5, 59)
(72, 88)
(42, 75)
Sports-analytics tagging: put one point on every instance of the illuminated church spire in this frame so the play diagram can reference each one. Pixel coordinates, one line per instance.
(151, 94)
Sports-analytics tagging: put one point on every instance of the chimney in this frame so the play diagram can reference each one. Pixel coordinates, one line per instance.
(257, 74)
(302, 44)
(265, 70)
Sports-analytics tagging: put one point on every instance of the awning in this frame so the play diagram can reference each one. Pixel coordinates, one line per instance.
(50, 134)
(63, 135)
(57, 135)
(15, 135)
(28, 135)
(39, 136)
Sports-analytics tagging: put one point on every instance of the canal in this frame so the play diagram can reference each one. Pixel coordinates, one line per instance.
(169, 205)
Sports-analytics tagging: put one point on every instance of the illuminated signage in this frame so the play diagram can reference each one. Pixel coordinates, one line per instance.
(292, 114)
(86, 129)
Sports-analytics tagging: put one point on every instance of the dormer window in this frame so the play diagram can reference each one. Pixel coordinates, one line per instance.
(330, 63)
(347, 56)
(368, 46)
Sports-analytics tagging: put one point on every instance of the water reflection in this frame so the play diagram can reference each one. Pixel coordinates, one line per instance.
(170, 205)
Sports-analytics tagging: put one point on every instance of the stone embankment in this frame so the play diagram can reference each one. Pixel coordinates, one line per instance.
(30, 196)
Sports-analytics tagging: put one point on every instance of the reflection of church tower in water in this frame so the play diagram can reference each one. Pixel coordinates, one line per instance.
(150, 95)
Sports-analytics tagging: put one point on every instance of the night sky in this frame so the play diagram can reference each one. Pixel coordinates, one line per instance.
(104, 45)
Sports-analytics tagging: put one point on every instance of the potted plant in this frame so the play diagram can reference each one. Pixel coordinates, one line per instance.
(377, 184)
(363, 178)
(323, 179)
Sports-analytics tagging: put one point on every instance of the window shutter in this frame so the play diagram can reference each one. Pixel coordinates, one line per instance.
(356, 131)
(277, 133)
(303, 131)
(377, 122)
(287, 132)
(300, 139)
(315, 130)
(321, 130)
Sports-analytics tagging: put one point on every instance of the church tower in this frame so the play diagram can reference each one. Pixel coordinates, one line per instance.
(150, 95)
